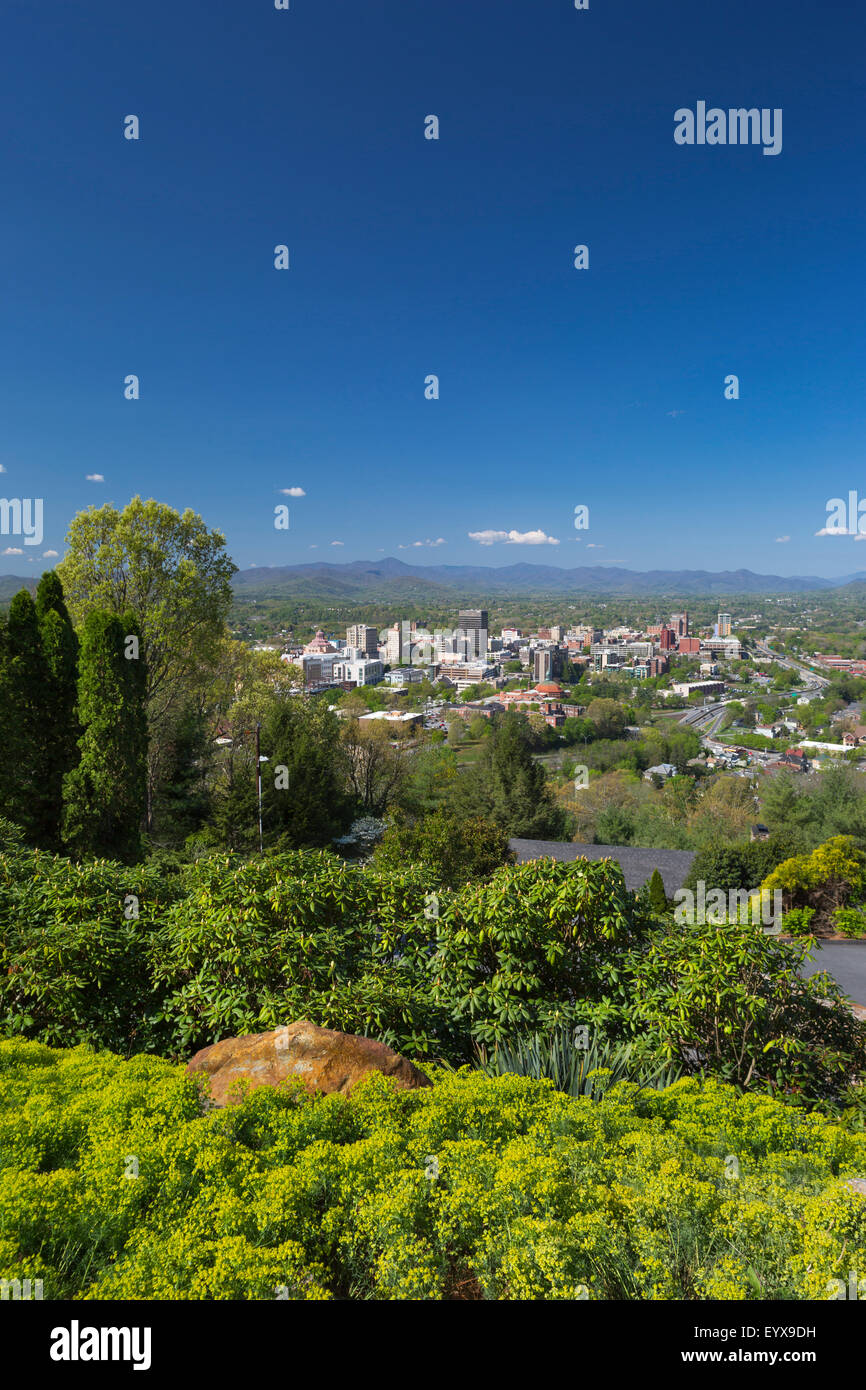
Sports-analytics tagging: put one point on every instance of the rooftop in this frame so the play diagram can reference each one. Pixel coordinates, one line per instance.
(637, 864)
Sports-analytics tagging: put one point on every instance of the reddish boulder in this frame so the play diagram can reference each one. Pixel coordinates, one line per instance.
(325, 1060)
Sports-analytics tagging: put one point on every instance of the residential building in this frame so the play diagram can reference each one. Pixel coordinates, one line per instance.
(660, 770)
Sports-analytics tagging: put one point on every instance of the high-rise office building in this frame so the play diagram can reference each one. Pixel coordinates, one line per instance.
(363, 638)
(680, 624)
(724, 625)
(472, 625)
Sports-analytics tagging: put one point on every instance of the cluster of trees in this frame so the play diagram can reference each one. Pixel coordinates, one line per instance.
(73, 725)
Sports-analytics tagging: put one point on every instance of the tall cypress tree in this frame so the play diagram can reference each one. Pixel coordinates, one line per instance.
(24, 782)
(105, 795)
(60, 728)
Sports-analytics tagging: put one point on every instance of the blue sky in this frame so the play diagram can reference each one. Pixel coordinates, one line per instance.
(558, 387)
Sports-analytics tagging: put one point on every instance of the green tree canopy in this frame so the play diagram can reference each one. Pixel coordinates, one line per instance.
(508, 787)
(173, 574)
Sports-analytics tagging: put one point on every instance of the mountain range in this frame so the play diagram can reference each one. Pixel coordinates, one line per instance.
(359, 577)
(391, 578)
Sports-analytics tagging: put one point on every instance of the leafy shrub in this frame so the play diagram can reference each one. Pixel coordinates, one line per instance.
(850, 921)
(258, 943)
(797, 921)
(514, 954)
(476, 1188)
(826, 879)
(74, 949)
(739, 866)
(727, 999)
(454, 849)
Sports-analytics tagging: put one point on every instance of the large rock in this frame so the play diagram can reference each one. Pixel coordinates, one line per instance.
(322, 1058)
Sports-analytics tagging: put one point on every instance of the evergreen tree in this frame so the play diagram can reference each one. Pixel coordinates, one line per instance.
(658, 900)
(59, 727)
(508, 787)
(24, 778)
(105, 795)
(303, 787)
(181, 802)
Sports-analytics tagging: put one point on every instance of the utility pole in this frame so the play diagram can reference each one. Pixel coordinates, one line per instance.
(259, 785)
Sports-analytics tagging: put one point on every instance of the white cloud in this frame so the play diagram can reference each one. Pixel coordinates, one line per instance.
(338, 542)
(675, 413)
(780, 540)
(833, 531)
(440, 540)
(312, 547)
(94, 478)
(293, 492)
(594, 545)
(2, 468)
(49, 554)
(11, 550)
(513, 537)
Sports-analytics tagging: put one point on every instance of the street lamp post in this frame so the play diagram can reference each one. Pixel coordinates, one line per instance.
(259, 785)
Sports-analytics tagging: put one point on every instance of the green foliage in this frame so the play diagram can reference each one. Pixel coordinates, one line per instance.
(307, 807)
(849, 921)
(817, 809)
(74, 949)
(252, 945)
(727, 998)
(514, 954)
(24, 773)
(104, 796)
(486, 1188)
(738, 866)
(173, 574)
(797, 921)
(228, 946)
(573, 1063)
(59, 735)
(508, 787)
(827, 879)
(656, 893)
(455, 850)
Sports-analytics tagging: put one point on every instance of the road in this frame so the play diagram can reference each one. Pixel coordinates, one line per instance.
(846, 962)
(813, 681)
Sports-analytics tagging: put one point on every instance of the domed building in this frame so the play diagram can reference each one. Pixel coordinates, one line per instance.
(549, 689)
(319, 645)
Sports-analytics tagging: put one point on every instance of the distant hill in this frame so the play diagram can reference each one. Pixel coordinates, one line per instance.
(11, 583)
(360, 578)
